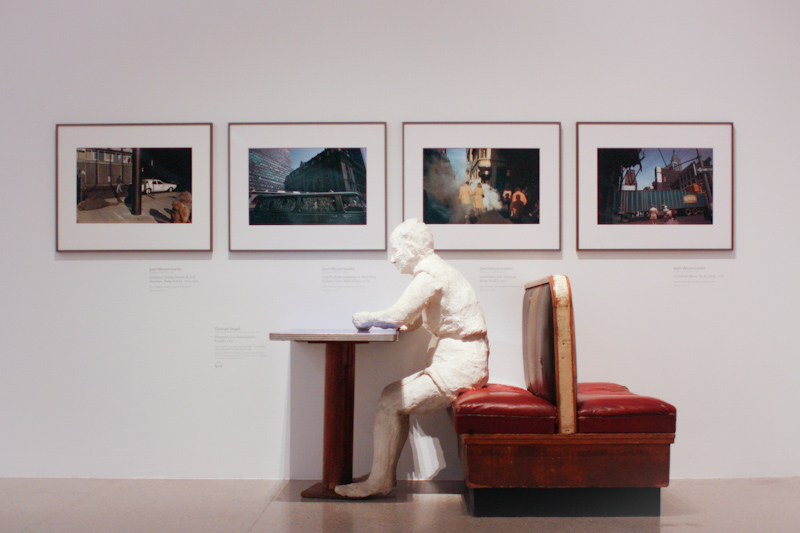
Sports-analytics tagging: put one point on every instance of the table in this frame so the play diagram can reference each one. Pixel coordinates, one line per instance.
(340, 365)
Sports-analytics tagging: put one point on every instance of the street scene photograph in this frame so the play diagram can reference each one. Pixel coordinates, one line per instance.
(107, 190)
(307, 186)
(655, 186)
(481, 185)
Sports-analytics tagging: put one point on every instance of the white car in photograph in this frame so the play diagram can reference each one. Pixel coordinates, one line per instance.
(151, 186)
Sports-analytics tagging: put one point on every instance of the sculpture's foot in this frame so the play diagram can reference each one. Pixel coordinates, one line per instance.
(365, 477)
(365, 489)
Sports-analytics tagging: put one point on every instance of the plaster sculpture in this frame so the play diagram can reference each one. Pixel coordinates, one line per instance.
(442, 300)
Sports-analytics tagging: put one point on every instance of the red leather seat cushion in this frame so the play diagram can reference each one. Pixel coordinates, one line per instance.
(502, 409)
(612, 408)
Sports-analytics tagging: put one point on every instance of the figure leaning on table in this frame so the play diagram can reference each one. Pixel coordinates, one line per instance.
(442, 300)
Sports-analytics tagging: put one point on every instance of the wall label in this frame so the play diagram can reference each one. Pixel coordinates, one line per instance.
(494, 278)
(334, 279)
(163, 279)
(231, 342)
(687, 276)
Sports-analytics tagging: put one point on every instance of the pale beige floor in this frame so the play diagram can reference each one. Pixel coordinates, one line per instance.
(89, 505)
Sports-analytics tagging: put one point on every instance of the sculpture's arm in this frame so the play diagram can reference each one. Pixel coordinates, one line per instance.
(414, 324)
(406, 311)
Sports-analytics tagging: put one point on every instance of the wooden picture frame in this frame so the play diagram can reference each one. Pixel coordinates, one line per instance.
(97, 206)
(485, 186)
(655, 186)
(307, 186)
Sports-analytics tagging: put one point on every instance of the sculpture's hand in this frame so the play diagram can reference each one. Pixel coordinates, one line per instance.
(363, 320)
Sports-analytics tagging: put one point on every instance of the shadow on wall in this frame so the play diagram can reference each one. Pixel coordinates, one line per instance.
(305, 416)
(432, 449)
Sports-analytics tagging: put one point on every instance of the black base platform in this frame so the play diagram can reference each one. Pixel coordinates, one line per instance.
(564, 502)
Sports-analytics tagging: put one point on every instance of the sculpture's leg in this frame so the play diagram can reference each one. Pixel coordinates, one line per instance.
(414, 394)
(389, 437)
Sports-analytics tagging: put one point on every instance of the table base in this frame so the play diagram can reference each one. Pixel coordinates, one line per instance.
(319, 492)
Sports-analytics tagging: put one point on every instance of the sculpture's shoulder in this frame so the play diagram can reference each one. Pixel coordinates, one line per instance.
(442, 273)
(434, 266)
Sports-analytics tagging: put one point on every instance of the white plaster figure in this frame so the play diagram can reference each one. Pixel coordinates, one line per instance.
(442, 300)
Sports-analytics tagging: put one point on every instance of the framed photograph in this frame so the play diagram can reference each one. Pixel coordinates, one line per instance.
(133, 187)
(307, 186)
(485, 186)
(655, 186)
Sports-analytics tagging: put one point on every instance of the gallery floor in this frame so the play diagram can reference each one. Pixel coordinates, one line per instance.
(110, 505)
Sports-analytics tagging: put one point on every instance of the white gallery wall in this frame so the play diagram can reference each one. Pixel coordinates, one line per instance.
(104, 374)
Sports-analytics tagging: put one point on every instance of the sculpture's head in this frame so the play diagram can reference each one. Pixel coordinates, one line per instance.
(410, 243)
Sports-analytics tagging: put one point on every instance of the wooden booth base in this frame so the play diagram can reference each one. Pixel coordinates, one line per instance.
(566, 461)
(574, 502)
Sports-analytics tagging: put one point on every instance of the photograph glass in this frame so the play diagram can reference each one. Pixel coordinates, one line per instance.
(133, 187)
(106, 191)
(307, 186)
(311, 186)
(481, 185)
(655, 185)
(484, 185)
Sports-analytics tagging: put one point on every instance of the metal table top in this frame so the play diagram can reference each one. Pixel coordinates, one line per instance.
(336, 335)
